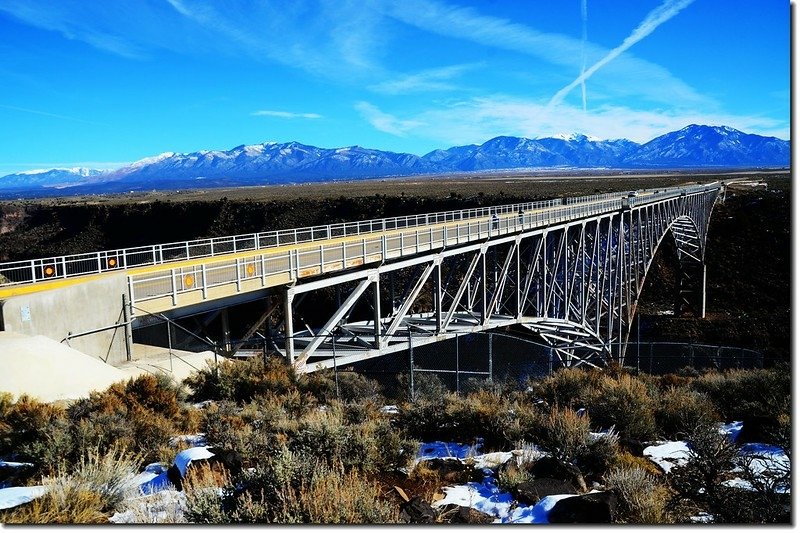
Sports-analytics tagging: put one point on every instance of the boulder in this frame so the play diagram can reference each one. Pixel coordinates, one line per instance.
(530, 492)
(549, 467)
(632, 446)
(453, 470)
(594, 508)
(417, 511)
(458, 514)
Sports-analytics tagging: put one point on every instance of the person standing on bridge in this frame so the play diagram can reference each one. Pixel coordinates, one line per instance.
(521, 216)
(495, 221)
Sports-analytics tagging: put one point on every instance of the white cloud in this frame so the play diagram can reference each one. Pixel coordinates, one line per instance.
(385, 122)
(436, 79)
(284, 114)
(479, 119)
(627, 76)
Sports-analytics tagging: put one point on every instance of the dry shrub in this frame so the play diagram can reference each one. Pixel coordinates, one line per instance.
(425, 420)
(79, 507)
(287, 488)
(166, 507)
(625, 460)
(208, 495)
(353, 387)
(643, 498)
(483, 413)
(141, 415)
(35, 432)
(241, 381)
(567, 387)
(428, 387)
(600, 455)
(711, 456)
(224, 426)
(89, 494)
(680, 410)
(427, 481)
(512, 475)
(564, 434)
(337, 496)
(740, 393)
(625, 403)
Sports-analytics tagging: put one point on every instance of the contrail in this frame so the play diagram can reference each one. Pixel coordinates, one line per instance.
(46, 114)
(584, 17)
(653, 20)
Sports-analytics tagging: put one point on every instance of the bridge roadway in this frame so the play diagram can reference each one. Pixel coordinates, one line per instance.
(167, 279)
(166, 284)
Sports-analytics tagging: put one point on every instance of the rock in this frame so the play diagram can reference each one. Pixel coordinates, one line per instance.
(549, 467)
(15, 474)
(230, 459)
(594, 508)
(532, 491)
(757, 428)
(632, 446)
(457, 514)
(417, 511)
(453, 470)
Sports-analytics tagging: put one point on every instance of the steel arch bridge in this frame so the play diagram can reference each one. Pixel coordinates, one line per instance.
(568, 269)
(576, 283)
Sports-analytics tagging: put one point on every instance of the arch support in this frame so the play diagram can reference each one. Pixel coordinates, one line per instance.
(691, 297)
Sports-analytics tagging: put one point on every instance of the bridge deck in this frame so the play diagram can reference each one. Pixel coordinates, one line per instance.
(160, 287)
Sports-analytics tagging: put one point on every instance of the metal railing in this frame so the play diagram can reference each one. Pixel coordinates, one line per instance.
(295, 263)
(534, 214)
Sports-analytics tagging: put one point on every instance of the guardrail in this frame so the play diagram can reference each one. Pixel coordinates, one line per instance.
(37, 270)
(296, 263)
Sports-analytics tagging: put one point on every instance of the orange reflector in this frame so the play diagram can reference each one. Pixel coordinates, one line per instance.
(112, 262)
(251, 270)
(49, 271)
(188, 280)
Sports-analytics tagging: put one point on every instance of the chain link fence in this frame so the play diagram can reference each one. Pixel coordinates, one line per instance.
(470, 359)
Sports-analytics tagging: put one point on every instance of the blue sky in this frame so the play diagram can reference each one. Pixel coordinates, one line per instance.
(101, 83)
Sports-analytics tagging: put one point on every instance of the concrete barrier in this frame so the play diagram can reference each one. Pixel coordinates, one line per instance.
(86, 316)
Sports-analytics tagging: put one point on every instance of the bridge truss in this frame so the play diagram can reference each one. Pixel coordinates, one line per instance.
(575, 283)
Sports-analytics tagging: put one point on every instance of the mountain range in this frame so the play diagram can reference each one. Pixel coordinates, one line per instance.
(694, 146)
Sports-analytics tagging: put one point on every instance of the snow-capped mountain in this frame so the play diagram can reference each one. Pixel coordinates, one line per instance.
(270, 163)
(56, 178)
(711, 146)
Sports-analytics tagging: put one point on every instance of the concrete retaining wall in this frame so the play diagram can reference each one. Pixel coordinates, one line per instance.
(74, 309)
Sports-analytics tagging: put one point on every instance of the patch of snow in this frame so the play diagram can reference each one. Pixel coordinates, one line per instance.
(668, 454)
(492, 460)
(185, 457)
(156, 483)
(446, 450)
(164, 507)
(536, 514)
(702, 518)
(14, 496)
(732, 430)
(485, 497)
(390, 409)
(12, 464)
(198, 439)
